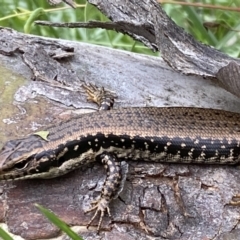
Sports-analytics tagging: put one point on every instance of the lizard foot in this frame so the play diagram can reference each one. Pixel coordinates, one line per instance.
(103, 98)
(100, 206)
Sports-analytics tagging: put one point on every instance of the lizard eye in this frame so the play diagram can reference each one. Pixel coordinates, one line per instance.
(21, 165)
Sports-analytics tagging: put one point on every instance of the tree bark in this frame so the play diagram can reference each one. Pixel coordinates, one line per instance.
(147, 22)
(180, 50)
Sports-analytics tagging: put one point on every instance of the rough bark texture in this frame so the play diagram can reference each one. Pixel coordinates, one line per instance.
(157, 30)
(147, 22)
(154, 28)
(159, 201)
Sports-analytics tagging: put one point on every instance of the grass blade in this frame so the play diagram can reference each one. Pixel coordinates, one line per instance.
(59, 223)
(4, 235)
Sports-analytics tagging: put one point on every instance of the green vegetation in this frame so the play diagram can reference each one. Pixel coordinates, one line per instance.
(20, 16)
(216, 26)
(222, 26)
(4, 235)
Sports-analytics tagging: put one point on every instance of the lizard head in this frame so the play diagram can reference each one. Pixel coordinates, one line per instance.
(19, 159)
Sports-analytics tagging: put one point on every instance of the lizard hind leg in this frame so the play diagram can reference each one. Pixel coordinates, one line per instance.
(112, 187)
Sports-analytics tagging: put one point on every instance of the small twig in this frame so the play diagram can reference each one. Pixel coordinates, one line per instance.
(90, 24)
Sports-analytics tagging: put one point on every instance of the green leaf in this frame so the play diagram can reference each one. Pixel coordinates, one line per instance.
(4, 235)
(43, 134)
(58, 222)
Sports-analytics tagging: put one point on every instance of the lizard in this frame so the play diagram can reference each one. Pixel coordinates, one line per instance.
(153, 134)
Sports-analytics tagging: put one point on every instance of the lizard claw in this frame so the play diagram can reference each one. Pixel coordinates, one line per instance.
(100, 205)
